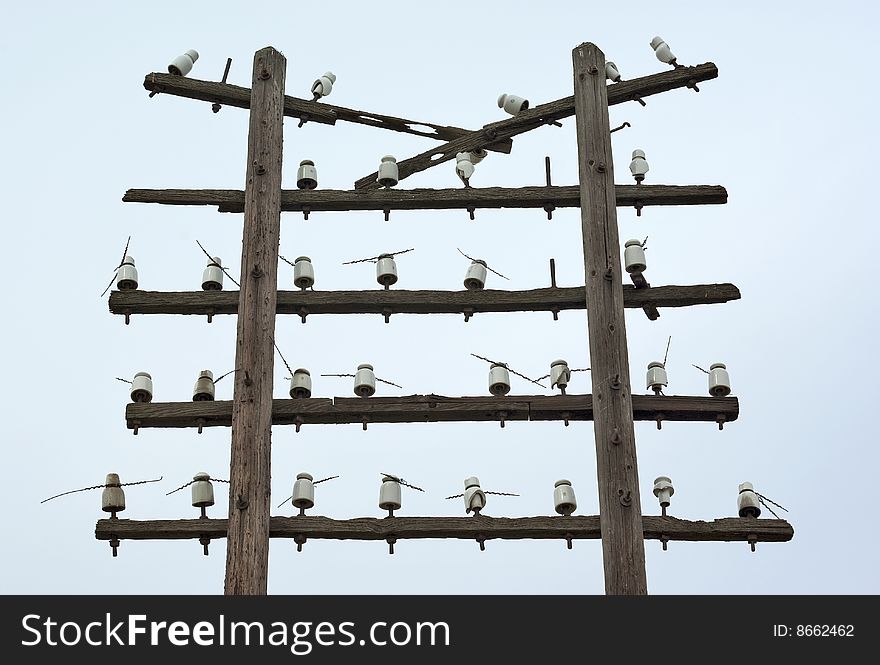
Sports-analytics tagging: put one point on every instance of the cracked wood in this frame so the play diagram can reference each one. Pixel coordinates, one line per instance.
(576, 527)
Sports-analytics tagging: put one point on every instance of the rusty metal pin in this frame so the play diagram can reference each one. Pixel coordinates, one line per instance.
(215, 107)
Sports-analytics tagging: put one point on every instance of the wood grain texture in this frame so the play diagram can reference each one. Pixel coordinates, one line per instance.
(623, 548)
(537, 116)
(247, 556)
(430, 408)
(414, 302)
(233, 95)
(324, 200)
(320, 112)
(639, 282)
(576, 527)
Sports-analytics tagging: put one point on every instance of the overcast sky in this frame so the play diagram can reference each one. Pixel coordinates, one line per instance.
(788, 128)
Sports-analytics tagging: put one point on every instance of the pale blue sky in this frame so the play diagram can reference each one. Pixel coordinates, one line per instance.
(788, 128)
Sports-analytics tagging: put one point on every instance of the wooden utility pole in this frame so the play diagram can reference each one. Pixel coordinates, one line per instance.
(620, 511)
(247, 555)
(612, 407)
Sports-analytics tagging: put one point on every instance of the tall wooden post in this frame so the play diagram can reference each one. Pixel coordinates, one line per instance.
(620, 512)
(247, 556)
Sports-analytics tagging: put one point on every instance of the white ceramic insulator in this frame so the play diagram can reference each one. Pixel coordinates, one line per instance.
(663, 497)
(303, 272)
(662, 51)
(389, 174)
(634, 256)
(639, 165)
(364, 381)
(301, 384)
(499, 380)
(563, 497)
(307, 175)
(475, 278)
(474, 499)
(611, 72)
(464, 167)
(127, 275)
(204, 388)
(386, 271)
(324, 85)
(142, 388)
(719, 380)
(748, 503)
(183, 64)
(663, 490)
(560, 374)
(303, 491)
(477, 155)
(202, 491)
(656, 377)
(112, 498)
(389, 495)
(212, 278)
(513, 104)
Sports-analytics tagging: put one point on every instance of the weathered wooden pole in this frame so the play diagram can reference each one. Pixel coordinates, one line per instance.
(620, 512)
(247, 556)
